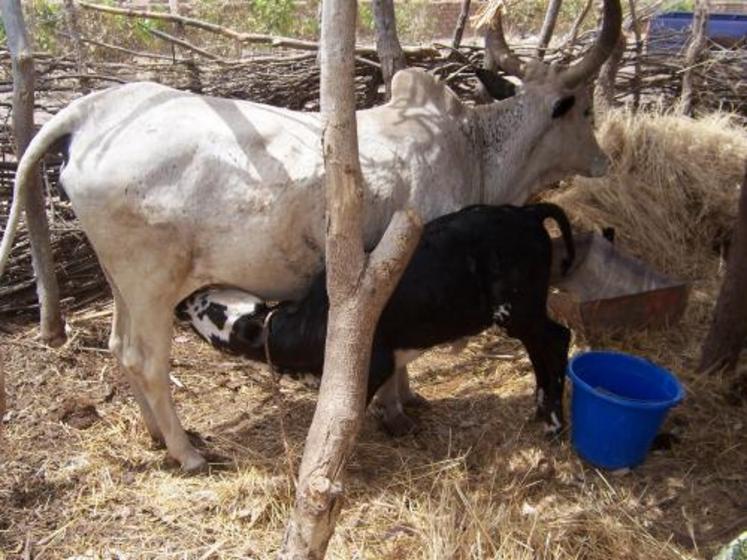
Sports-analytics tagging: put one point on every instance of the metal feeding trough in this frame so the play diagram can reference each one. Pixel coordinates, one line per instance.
(608, 290)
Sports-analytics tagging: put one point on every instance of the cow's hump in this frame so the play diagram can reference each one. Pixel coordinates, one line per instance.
(413, 87)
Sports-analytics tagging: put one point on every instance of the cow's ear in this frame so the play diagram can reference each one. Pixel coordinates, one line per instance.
(497, 86)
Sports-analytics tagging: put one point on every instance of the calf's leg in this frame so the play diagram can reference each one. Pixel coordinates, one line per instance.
(407, 396)
(386, 401)
(547, 344)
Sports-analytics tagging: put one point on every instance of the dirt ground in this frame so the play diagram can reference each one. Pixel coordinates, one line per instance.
(80, 478)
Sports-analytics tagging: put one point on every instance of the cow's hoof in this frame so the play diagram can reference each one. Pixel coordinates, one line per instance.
(399, 425)
(416, 400)
(194, 464)
(157, 442)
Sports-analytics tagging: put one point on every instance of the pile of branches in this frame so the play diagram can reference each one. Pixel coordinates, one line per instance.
(652, 75)
(77, 269)
(290, 78)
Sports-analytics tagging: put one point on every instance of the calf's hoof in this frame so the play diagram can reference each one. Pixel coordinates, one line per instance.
(553, 424)
(398, 425)
(416, 400)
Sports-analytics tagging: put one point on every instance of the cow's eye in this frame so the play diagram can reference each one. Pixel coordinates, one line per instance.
(562, 106)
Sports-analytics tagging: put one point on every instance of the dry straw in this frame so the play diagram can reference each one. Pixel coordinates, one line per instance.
(672, 191)
(480, 481)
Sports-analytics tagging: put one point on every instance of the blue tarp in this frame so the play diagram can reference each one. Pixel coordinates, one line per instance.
(670, 31)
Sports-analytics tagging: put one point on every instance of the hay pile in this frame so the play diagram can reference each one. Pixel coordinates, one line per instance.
(673, 189)
(81, 479)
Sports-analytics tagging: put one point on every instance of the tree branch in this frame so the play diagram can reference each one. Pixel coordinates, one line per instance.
(274, 41)
(548, 27)
(461, 24)
(186, 45)
(577, 23)
(635, 25)
(694, 51)
(52, 323)
(726, 336)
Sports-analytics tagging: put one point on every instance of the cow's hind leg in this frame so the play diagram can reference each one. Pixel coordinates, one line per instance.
(145, 356)
(119, 334)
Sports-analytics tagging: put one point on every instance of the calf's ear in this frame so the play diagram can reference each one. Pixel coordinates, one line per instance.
(496, 85)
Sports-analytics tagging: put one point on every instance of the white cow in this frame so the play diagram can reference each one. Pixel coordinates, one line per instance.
(177, 191)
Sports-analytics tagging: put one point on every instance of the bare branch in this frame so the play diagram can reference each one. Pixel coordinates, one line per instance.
(258, 38)
(461, 24)
(103, 45)
(71, 21)
(548, 27)
(393, 251)
(635, 25)
(185, 44)
(694, 51)
(577, 23)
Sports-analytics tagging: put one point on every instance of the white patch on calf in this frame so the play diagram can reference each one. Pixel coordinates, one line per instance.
(554, 426)
(236, 303)
(502, 313)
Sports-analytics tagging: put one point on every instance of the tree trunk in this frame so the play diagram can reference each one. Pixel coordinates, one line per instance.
(461, 24)
(52, 324)
(728, 331)
(635, 25)
(694, 51)
(3, 407)
(604, 92)
(73, 29)
(358, 287)
(390, 52)
(548, 27)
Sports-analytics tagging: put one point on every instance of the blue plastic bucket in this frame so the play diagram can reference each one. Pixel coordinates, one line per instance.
(619, 403)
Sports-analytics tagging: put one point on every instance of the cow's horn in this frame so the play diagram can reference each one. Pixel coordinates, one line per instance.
(495, 42)
(590, 64)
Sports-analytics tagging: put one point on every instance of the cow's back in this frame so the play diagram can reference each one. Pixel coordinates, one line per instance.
(234, 190)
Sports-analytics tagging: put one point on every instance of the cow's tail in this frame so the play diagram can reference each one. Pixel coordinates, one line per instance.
(59, 126)
(549, 210)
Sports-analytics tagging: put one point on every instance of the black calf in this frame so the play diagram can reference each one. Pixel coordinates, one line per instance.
(477, 267)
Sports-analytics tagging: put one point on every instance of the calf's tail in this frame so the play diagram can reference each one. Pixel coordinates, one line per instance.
(555, 212)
